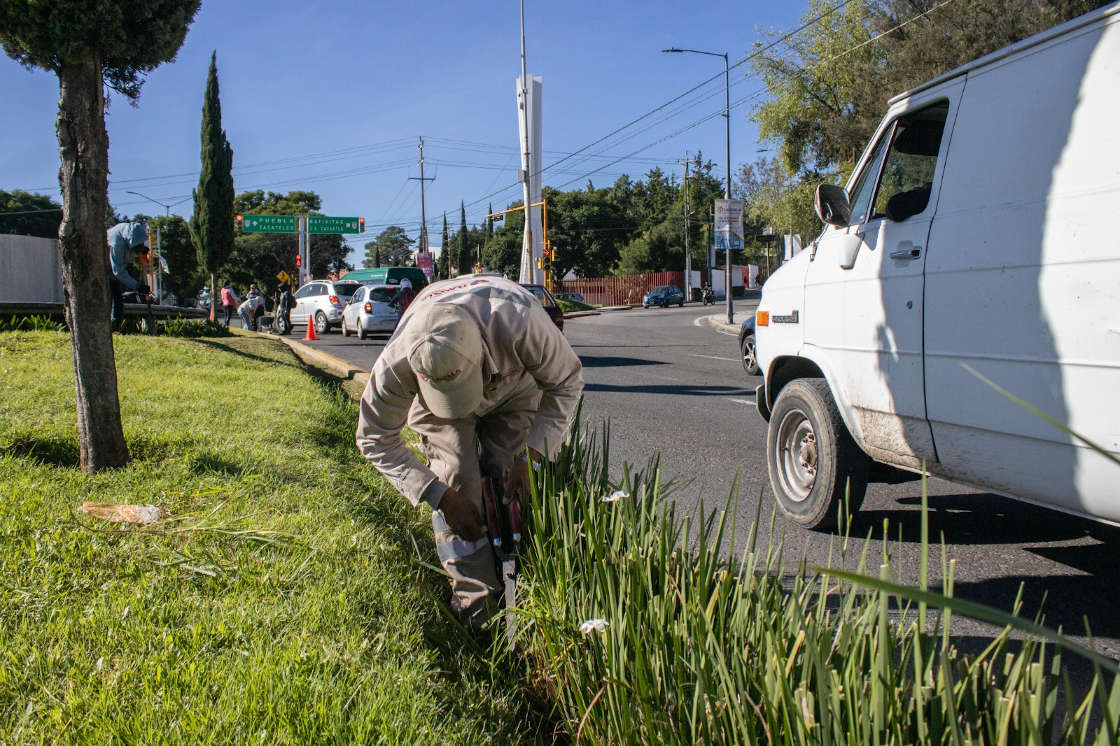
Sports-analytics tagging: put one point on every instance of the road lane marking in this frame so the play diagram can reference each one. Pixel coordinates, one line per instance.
(742, 401)
(715, 357)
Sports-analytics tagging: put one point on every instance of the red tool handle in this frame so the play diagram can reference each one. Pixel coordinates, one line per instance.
(515, 518)
(490, 502)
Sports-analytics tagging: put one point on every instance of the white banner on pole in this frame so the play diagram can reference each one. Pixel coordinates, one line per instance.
(729, 224)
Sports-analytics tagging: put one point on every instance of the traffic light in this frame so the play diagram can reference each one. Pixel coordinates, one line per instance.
(540, 262)
(239, 221)
(361, 225)
(299, 260)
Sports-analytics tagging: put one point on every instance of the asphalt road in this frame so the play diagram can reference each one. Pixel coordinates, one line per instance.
(672, 386)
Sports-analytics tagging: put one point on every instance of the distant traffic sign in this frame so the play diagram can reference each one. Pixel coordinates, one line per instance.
(268, 223)
(324, 224)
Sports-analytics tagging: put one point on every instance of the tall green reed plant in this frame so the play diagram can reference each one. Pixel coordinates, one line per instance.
(646, 634)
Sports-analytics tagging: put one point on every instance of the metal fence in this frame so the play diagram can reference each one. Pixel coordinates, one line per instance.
(620, 291)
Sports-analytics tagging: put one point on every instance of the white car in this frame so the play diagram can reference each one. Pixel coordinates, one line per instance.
(373, 309)
(322, 301)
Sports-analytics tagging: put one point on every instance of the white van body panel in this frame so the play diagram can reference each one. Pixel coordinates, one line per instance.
(1023, 276)
(1018, 278)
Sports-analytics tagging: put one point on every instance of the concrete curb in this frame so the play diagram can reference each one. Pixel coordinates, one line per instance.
(720, 324)
(324, 360)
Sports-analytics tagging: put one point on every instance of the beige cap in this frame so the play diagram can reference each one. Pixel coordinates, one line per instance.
(445, 352)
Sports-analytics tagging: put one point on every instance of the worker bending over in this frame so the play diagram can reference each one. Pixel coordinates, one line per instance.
(474, 362)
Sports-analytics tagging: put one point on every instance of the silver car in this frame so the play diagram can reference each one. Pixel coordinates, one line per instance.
(322, 301)
(373, 309)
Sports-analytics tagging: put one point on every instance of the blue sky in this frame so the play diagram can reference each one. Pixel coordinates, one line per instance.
(331, 97)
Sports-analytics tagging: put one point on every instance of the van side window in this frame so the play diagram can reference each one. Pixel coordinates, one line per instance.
(907, 176)
(864, 187)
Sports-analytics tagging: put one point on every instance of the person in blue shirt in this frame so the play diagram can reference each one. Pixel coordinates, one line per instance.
(124, 239)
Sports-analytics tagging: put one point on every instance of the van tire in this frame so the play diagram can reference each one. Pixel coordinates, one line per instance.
(812, 459)
(750, 355)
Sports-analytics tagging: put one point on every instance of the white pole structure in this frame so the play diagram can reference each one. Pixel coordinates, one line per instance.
(528, 263)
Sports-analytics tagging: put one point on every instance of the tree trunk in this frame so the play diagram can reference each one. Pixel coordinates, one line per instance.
(84, 152)
(213, 299)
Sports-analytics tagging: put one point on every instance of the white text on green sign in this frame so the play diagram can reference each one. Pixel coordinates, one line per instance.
(325, 224)
(268, 223)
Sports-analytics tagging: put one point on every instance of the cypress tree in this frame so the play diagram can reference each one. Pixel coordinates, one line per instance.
(449, 267)
(212, 222)
(465, 262)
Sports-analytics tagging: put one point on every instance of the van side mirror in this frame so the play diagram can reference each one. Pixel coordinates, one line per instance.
(831, 204)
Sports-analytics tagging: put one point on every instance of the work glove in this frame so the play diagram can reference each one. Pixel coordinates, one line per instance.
(461, 515)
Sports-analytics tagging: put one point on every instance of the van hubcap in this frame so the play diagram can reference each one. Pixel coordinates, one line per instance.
(797, 455)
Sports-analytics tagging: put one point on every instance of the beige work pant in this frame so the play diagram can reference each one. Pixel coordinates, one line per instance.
(453, 449)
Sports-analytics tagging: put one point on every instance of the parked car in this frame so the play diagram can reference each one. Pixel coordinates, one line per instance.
(747, 346)
(573, 297)
(322, 302)
(664, 296)
(373, 309)
(549, 303)
(974, 242)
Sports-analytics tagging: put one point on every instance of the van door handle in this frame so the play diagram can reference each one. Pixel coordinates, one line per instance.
(909, 251)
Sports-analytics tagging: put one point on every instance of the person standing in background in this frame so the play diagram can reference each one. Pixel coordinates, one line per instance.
(230, 300)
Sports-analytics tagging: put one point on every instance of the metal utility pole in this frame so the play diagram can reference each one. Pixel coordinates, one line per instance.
(687, 255)
(727, 132)
(524, 106)
(423, 212)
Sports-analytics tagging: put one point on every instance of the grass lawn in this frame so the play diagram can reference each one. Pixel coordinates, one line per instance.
(283, 601)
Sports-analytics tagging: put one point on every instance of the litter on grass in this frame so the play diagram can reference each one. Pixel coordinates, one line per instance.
(139, 514)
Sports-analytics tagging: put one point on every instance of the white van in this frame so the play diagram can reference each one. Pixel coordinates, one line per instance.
(978, 231)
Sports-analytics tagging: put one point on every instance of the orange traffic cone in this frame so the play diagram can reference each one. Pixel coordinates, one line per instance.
(310, 334)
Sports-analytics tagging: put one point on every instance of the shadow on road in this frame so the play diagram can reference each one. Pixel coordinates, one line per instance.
(608, 361)
(977, 519)
(683, 389)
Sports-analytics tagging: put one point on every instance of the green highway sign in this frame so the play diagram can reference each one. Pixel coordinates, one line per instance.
(268, 223)
(324, 224)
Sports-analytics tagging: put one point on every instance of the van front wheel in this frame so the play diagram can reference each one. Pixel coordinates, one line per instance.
(812, 459)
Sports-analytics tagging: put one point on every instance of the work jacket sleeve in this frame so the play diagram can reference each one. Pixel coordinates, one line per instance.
(547, 356)
(118, 260)
(382, 412)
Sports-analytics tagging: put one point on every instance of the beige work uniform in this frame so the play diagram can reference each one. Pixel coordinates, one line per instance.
(532, 380)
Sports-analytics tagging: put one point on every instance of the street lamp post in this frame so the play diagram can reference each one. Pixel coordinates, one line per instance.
(156, 276)
(727, 156)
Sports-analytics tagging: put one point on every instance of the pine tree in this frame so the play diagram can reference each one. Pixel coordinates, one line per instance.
(212, 222)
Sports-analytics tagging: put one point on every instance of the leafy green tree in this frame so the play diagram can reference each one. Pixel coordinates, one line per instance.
(392, 246)
(829, 84)
(211, 225)
(373, 255)
(90, 45)
(27, 214)
(502, 252)
(185, 277)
